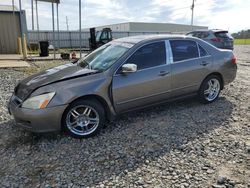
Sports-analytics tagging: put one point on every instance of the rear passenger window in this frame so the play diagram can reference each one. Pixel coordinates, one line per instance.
(222, 34)
(183, 50)
(203, 35)
(199, 34)
(203, 52)
(150, 55)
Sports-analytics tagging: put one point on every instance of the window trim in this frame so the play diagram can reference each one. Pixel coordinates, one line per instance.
(208, 54)
(172, 62)
(198, 49)
(166, 51)
(170, 53)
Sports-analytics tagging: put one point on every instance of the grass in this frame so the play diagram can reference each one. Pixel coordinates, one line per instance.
(242, 41)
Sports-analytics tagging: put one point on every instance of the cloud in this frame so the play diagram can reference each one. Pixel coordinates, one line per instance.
(224, 14)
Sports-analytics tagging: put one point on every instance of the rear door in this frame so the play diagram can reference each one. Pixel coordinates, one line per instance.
(190, 65)
(151, 82)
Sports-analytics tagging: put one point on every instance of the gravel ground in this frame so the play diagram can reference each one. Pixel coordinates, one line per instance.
(180, 144)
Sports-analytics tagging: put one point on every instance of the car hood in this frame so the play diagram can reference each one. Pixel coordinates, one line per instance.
(56, 74)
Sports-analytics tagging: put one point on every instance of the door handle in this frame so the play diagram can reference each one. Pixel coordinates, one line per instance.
(163, 73)
(204, 63)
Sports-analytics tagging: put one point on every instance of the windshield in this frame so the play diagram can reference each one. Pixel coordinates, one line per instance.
(102, 58)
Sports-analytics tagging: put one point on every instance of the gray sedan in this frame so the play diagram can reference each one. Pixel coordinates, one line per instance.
(123, 75)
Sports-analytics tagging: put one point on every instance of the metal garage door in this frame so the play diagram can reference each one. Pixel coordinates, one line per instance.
(9, 32)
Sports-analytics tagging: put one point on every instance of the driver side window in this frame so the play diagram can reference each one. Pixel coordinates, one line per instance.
(150, 55)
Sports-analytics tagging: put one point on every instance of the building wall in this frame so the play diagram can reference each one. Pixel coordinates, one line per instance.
(151, 27)
(162, 27)
(9, 32)
(116, 27)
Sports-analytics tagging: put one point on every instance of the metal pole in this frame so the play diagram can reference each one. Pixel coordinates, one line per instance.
(70, 39)
(14, 14)
(53, 25)
(67, 23)
(32, 14)
(80, 26)
(21, 26)
(58, 37)
(192, 17)
(37, 23)
(15, 31)
(13, 8)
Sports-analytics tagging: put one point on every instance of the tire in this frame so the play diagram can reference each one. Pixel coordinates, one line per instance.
(83, 118)
(210, 89)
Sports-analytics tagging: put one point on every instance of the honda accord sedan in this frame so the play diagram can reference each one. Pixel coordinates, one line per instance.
(120, 76)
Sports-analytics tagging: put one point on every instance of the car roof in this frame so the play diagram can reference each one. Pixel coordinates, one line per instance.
(144, 38)
(218, 30)
(207, 30)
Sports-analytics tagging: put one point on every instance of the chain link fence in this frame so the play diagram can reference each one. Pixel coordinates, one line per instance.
(70, 39)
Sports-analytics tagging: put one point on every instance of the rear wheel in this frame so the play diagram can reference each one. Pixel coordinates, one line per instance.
(83, 118)
(210, 89)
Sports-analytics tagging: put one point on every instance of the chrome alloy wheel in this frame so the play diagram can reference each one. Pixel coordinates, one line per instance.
(82, 120)
(212, 90)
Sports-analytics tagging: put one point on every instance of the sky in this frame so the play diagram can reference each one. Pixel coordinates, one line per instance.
(232, 15)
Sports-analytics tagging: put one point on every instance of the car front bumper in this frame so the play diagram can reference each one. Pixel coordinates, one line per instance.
(40, 120)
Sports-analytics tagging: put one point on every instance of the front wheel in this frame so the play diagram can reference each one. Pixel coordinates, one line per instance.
(83, 118)
(210, 89)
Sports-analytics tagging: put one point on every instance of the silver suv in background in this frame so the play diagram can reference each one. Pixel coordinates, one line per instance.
(219, 38)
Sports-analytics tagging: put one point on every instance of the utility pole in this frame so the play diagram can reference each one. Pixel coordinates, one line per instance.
(192, 17)
(67, 23)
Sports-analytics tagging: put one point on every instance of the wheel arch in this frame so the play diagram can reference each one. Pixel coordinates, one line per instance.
(100, 100)
(217, 74)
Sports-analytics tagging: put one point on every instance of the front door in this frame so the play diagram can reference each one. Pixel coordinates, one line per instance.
(149, 84)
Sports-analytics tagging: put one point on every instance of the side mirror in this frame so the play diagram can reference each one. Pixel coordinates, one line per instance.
(129, 67)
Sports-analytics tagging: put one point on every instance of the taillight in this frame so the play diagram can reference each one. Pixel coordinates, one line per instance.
(216, 39)
(234, 60)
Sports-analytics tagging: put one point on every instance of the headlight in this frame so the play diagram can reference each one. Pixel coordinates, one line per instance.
(38, 102)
